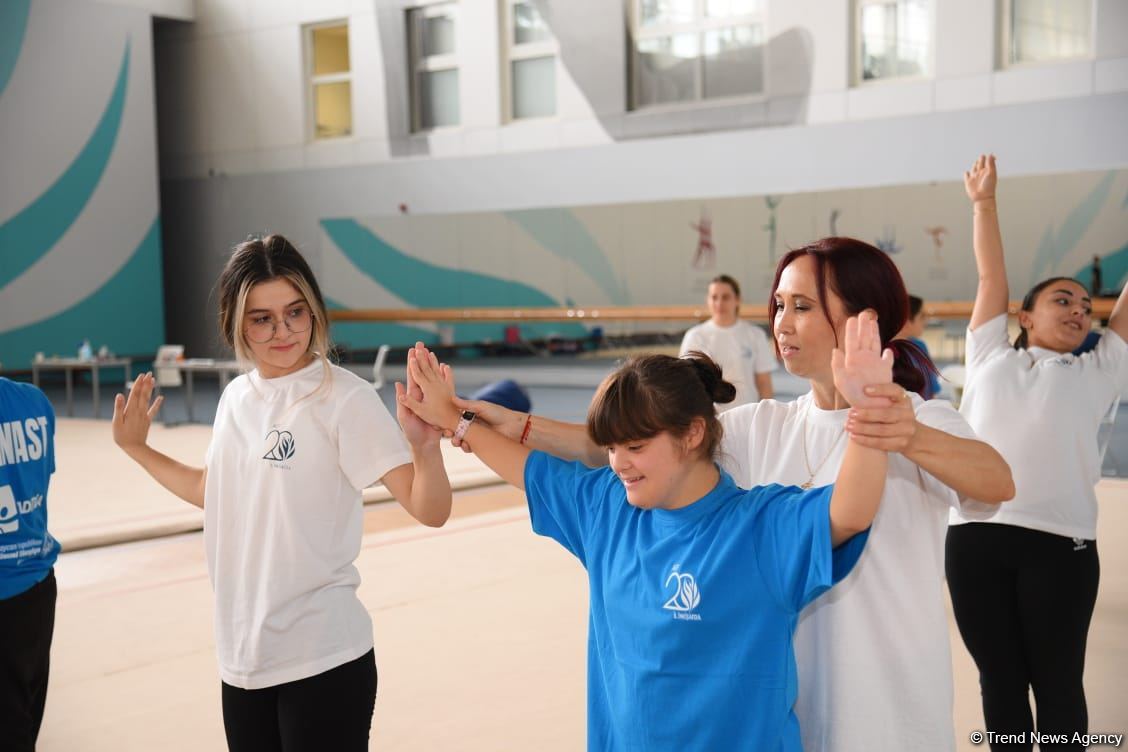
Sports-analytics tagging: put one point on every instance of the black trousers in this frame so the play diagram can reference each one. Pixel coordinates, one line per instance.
(329, 711)
(27, 623)
(1023, 600)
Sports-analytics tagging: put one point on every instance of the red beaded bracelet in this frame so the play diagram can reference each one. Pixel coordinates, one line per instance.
(528, 426)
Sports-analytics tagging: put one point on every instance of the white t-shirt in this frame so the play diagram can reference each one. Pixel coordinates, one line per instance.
(1041, 410)
(741, 350)
(283, 521)
(875, 672)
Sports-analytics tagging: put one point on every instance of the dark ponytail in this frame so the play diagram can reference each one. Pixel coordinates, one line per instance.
(911, 366)
(651, 394)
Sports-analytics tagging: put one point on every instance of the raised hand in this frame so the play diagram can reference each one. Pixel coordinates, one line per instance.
(862, 363)
(980, 180)
(418, 432)
(436, 404)
(134, 415)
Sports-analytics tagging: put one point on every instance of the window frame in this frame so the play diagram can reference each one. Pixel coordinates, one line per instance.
(700, 25)
(1005, 21)
(417, 64)
(511, 52)
(859, 68)
(312, 81)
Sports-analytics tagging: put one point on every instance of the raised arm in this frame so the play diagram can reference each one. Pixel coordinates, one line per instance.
(861, 477)
(1118, 321)
(131, 421)
(503, 455)
(992, 296)
(422, 488)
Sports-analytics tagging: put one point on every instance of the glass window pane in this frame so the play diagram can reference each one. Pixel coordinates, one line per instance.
(734, 61)
(727, 8)
(912, 38)
(437, 35)
(332, 107)
(331, 50)
(1050, 29)
(667, 69)
(534, 87)
(656, 12)
(879, 40)
(438, 98)
(528, 25)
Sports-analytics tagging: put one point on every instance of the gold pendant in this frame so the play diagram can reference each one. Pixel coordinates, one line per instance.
(807, 485)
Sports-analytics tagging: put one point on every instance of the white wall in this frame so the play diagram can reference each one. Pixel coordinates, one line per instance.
(242, 107)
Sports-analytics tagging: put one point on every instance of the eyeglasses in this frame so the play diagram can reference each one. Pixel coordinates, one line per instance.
(262, 328)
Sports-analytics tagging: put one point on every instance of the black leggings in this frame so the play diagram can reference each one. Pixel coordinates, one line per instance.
(332, 710)
(27, 622)
(1023, 600)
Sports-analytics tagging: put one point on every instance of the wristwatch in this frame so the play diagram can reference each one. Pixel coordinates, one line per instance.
(464, 422)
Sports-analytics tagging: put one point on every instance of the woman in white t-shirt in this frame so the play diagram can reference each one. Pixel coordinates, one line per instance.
(874, 667)
(739, 347)
(295, 441)
(1024, 582)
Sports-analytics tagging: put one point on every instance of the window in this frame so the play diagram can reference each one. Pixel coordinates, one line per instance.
(1036, 31)
(434, 66)
(892, 39)
(528, 61)
(330, 80)
(690, 50)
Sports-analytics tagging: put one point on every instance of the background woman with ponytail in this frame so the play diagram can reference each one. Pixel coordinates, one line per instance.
(695, 584)
(875, 671)
(1024, 583)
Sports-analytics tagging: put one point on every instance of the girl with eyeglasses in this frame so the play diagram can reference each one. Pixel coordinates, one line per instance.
(296, 439)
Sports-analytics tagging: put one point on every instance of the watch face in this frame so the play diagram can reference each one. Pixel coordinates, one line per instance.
(468, 415)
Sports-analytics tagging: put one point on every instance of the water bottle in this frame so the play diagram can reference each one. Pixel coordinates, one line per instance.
(85, 352)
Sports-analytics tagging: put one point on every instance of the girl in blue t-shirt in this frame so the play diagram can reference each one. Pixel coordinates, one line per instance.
(695, 585)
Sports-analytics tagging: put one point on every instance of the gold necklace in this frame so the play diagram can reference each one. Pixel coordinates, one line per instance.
(812, 473)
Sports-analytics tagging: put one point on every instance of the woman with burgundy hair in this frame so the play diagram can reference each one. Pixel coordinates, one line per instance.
(873, 660)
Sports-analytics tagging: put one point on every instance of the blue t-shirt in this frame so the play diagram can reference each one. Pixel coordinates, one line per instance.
(27, 459)
(692, 610)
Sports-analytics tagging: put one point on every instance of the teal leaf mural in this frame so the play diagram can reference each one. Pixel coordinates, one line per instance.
(1114, 270)
(31, 233)
(427, 285)
(1055, 246)
(560, 233)
(110, 316)
(13, 24)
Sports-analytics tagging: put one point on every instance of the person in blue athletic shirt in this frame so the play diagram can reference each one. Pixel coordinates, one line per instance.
(695, 585)
(27, 560)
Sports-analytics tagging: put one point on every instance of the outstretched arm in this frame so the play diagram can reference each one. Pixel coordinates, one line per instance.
(503, 455)
(969, 467)
(1118, 321)
(131, 421)
(992, 296)
(861, 478)
(568, 441)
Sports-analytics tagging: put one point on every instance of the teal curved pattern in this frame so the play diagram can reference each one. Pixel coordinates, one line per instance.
(27, 236)
(13, 24)
(560, 233)
(361, 335)
(1056, 245)
(103, 317)
(428, 286)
